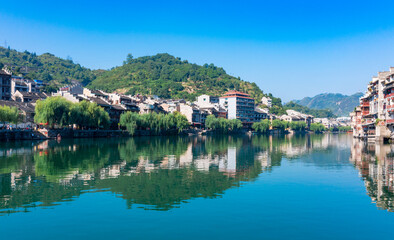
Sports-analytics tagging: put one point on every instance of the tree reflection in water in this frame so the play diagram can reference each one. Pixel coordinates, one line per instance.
(156, 173)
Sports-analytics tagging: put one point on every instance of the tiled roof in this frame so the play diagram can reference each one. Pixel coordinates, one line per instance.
(118, 107)
(33, 94)
(99, 101)
(26, 107)
(2, 72)
(259, 110)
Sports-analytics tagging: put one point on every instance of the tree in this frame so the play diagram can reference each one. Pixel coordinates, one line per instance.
(297, 126)
(344, 128)
(235, 125)
(153, 122)
(52, 111)
(9, 114)
(211, 122)
(181, 121)
(320, 113)
(50, 89)
(262, 127)
(129, 59)
(88, 114)
(130, 120)
(317, 127)
(223, 125)
(279, 124)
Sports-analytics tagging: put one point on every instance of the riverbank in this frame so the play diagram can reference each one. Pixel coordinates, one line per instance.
(41, 134)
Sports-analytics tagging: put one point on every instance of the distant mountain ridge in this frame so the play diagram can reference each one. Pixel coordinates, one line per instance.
(339, 104)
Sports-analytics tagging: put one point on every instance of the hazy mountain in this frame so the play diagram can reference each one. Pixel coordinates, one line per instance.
(339, 104)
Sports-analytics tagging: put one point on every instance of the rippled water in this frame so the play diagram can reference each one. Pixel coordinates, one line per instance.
(300, 187)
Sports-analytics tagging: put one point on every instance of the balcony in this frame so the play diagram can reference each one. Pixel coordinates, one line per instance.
(371, 132)
(365, 104)
(388, 95)
(389, 108)
(368, 121)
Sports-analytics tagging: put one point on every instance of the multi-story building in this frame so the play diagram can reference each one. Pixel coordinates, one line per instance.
(23, 85)
(376, 109)
(356, 118)
(5, 84)
(239, 105)
(260, 114)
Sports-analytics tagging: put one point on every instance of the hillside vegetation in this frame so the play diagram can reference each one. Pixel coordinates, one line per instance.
(163, 75)
(46, 67)
(339, 104)
(170, 77)
(318, 113)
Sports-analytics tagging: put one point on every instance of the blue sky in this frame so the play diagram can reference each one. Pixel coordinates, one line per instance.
(290, 48)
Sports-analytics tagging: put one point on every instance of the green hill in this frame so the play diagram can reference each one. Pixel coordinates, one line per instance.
(46, 67)
(163, 75)
(318, 113)
(339, 104)
(170, 77)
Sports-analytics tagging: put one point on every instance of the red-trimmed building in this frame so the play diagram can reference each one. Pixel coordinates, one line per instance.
(239, 105)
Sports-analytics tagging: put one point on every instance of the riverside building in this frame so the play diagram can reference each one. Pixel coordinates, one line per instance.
(373, 119)
(5, 85)
(239, 105)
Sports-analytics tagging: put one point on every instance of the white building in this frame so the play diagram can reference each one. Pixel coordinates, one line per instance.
(266, 101)
(206, 100)
(239, 105)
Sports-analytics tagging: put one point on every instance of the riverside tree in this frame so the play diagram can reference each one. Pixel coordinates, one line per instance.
(61, 112)
(153, 122)
(223, 125)
(9, 114)
(297, 126)
(279, 124)
(88, 114)
(53, 110)
(344, 128)
(317, 127)
(262, 127)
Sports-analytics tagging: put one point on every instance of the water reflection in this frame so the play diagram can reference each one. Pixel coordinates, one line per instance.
(163, 173)
(375, 164)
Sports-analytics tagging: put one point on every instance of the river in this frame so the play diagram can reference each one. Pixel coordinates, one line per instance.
(246, 187)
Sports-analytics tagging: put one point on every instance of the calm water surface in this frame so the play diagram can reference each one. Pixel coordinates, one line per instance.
(300, 187)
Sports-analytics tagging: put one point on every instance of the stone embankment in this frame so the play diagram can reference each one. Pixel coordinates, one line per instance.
(15, 135)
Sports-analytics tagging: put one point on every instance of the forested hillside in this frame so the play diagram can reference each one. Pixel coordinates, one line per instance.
(46, 67)
(318, 113)
(339, 104)
(162, 74)
(170, 77)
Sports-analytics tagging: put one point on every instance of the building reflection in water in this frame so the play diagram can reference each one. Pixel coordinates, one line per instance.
(374, 161)
(155, 173)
